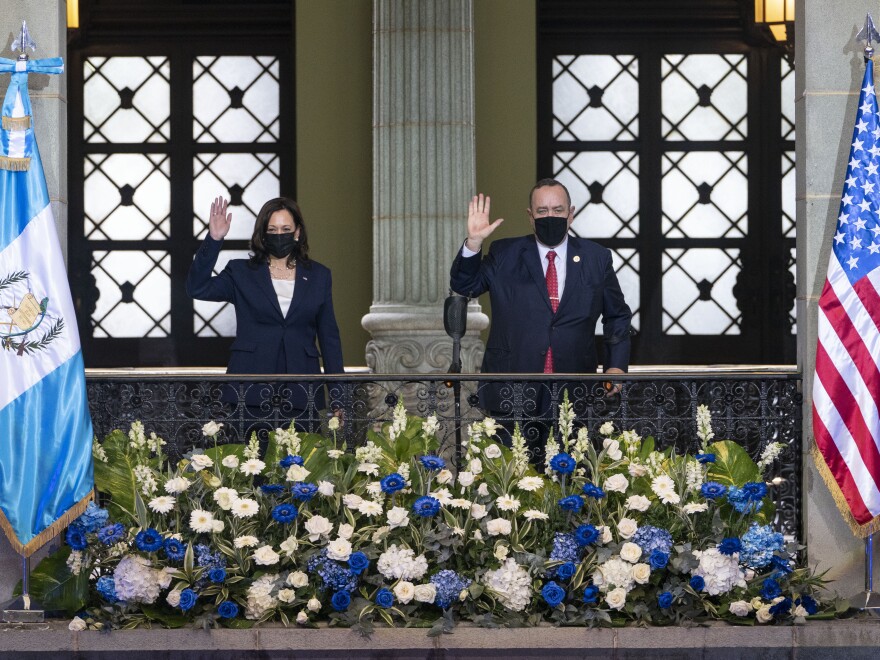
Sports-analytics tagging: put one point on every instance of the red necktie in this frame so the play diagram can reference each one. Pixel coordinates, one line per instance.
(553, 292)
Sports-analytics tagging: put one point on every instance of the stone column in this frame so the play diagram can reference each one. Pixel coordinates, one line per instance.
(829, 74)
(47, 23)
(423, 177)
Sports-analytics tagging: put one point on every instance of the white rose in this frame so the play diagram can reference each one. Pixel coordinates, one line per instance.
(297, 579)
(314, 605)
(465, 478)
(326, 488)
(211, 428)
(616, 483)
(740, 608)
(76, 624)
(478, 511)
(799, 611)
(499, 526)
(352, 501)
(266, 556)
(444, 476)
(230, 461)
(627, 527)
(219, 526)
(492, 451)
(638, 503)
(333, 423)
(297, 473)
(483, 490)
(404, 591)
(616, 598)
(345, 531)
(757, 603)
(289, 546)
(476, 466)
(200, 462)
(607, 428)
(339, 549)
(173, 598)
(302, 618)
(637, 470)
(225, 498)
(501, 551)
(606, 535)
(286, 595)
(425, 593)
(763, 615)
(318, 526)
(641, 573)
(630, 552)
(397, 517)
(612, 449)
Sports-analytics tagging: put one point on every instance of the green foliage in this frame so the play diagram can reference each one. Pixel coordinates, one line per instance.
(733, 466)
(115, 477)
(55, 587)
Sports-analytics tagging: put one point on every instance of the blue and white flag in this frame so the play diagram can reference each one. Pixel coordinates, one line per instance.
(45, 428)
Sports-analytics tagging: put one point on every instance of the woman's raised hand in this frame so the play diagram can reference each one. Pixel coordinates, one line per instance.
(219, 221)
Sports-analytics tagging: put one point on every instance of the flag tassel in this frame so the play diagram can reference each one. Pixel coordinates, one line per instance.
(53, 530)
(862, 531)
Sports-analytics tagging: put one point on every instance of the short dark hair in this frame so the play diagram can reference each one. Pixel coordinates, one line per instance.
(259, 253)
(544, 183)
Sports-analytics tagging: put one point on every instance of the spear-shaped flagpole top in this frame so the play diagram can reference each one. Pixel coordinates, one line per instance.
(868, 34)
(24, 42)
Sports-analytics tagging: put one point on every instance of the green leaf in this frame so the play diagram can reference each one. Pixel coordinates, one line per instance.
(55, 587)
(733, 466)
(647, 447)
(116, 477)
(218, 453)
(170, 619)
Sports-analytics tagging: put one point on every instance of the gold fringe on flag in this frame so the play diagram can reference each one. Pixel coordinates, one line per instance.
(15, 164)
(16, 123)
(862, 531)
(53, 530)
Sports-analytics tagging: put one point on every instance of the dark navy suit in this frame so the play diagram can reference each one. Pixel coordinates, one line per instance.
(266, 341)
(523, 323)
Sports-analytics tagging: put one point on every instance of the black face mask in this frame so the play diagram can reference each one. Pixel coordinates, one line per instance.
(280, 245)
(551, 229)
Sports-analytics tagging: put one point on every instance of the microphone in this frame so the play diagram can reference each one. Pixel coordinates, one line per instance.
(455, 315)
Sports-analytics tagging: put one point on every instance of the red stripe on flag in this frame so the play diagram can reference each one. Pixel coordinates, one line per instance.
(866, 292)
(840, 471)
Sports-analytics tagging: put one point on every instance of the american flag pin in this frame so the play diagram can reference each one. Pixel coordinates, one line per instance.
(305, 278)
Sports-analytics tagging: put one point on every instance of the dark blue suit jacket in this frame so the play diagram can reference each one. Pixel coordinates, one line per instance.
(262, 331)
(523, 323)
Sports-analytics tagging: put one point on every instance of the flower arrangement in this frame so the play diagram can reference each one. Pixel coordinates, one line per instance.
(609, 531)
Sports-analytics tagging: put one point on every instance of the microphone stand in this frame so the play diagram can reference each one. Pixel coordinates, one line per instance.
(455, 323)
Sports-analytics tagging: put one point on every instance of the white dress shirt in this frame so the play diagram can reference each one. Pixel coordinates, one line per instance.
(560, 261)
(284, 291)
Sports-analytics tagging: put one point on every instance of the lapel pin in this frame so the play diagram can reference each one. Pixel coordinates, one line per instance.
(576, 258)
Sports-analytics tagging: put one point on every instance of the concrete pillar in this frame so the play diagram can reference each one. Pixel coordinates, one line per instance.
(423, 177)
(829, 69)
(47, 23)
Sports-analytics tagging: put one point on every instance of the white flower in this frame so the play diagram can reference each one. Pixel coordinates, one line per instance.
(740, 608)
(225, 498)
(137, 582)
(664, 487)
(476, 466)
(630, 552)
(642, 573)
(352, 501)
(345, 531)
(442, 495)
(607, 428)
(335, 454)
(483, 490)
(289, 546)
(430, 425)
(425, 593)
(245, 508)
(404, 591)
(530, 484)
(211, 428)
(397, 517)
(444, 477)
(230, 461)
(287, 596)
(459, 503)
(507, 503)
(219, 526)
(616, 483)
(465, 478)
(326, 488)
(612, 449)
(297, 579)
(511, 584)
(626, 527)
(76, 560)
(339, 549)
(177, 485)
(638, 503)
(800, 611)
(318, 526)
(399, 563)
(371, 469)
(498, 526)
(606, 535)
(173, 598)
(492, 451)
(763, 615)
(757, 603)
(534, 514)
(314, 605)
(333, 423)
(614, 573)
(637, 470)
(370, 508)
(201, 521)
(477, 535)
(266, 556)
(162, 504)
(302, 618)
(259, 596)
(380, 534)
(200, 462)
(616, 598)
(490, 426)
(695, 507)
(501, 552)
(478, 511)
(245, 541)
(721, 572)
(297, 473)
(76, 624)
(252, 467)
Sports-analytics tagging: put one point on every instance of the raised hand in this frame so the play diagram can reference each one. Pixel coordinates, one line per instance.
(479, 225)
(219, 221)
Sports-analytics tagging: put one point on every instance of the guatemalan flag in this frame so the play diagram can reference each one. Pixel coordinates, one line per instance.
(846, 389)
(45, 428)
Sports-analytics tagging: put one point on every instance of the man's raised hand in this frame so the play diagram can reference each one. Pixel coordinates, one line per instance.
(479, 226)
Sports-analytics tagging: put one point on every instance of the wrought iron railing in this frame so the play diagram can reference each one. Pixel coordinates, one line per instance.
(753, 408)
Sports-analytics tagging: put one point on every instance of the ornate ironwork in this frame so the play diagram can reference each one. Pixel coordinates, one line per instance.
(753, 409)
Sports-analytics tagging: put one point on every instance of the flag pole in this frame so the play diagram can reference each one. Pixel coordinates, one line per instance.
(23, 609)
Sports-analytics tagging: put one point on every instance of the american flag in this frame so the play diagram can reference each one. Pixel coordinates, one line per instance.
(846, 389)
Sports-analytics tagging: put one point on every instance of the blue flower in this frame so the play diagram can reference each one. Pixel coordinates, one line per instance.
(650, 538)
(658, 559)
(384, 598)
(284, 513)
(174, 549)
(273, 489)
(334, 575)
(563, 463)
(781, 608)
(729, 546)
(706, 458)
(770, 589)
(188, 598)
(449, 585)
(781, 564)
(759, 544)
(106, 586)
(747, 499)
(566, 570)
(592, 490)
(76, 538)
(426, 506)
(393, 483)
(755, 490)
(586, 534)
(92, 519)
(204, 556)
(433, 462)
(148, 540)
(341, 600)
(358, 562)
(227, 610)
(591, 595)
(553, 594)
(286, 462)
(697, 582)
(303, 491)
(565, 548)
(111, 534)
(808, 603)
(571, 503)
(665, 599)
(712, 490)
(217, 574)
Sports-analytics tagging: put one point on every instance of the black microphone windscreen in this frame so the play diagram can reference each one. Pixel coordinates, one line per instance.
(455, 316)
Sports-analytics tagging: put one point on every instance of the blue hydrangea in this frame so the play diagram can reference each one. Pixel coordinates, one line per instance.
(758, 545)
(393, 483)
(111, 534)
(204, 556)
(449, 586)
(303, 491)
(106, 586)
(432, 462)
(650, 538)
(334, 575)
(747, 499)
(563, 463)
(92, 519)
(284, 513)
(565, 548)
(712, 490)
(592, 490)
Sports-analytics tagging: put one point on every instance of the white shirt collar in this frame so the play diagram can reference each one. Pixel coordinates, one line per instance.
(561, 251)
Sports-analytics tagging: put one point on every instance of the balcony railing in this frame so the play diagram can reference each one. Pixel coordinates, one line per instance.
(753, 408)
